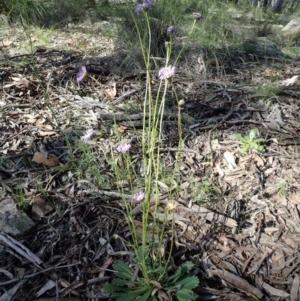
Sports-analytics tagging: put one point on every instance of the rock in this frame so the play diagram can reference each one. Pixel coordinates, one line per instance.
(276, 28)
(291, 24)
(262, 46)
(292, 28)
(12, 220)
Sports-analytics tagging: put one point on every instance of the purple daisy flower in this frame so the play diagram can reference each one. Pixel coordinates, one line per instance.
(81, 74)
(166, 72)
(88, 134)
(138, 196)
(138, 8)
(198, 16)
(123, 147)
(171, 29)
(146, 5)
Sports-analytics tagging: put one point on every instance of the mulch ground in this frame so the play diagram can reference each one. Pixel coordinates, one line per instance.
(237, 214)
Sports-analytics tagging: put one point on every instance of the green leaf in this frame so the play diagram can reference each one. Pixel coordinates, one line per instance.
(119, 285)
(175, 276)
(183, 269)
(188, 282)
(252, 134)
(132, 295)
(145, 296)
(122, 269)
(239, 136)
(185, 295)
(186, 266)
(108, 288)
(245, 148)
(261, 149)
(120, 282)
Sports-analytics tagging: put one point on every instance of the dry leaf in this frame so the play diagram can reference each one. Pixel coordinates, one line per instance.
(184, 185)
(39, 206)
(48, 133)
(40, 121)
(122, 128)
(295, 288)
(31, 120)
(7, 43)
(239, 283)
(162, 294)
(228, 156)
(20, 81)
(289, 81)
(112, 91)
(275, 291)
(255, 157)
(215, 145)
(39, 158)
(46, 287)
(156, 284)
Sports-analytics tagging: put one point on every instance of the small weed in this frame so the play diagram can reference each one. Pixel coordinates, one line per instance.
(175, 283)
(42, 36)
(270, 88)
(21, 200)
(250, 142)
(86, 165)
(168, 178)
(282, 188)
(205, 190)
(4, 160)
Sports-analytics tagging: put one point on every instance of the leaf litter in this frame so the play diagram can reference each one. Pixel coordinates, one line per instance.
(235, 219)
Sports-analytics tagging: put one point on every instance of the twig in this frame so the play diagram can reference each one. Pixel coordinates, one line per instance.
(209, 134)
(125, 95)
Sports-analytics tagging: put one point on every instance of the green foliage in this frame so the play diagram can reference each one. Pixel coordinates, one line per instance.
(163, 14)
(20, 199)
(28, 11)
(84, 163)
(205, 190)
(281, 188)
(219, 28)
(4, 160)
(178, 284)
(61, 12)
(250, 141)
(55, 12)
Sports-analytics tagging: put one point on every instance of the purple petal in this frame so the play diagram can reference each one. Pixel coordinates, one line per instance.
(81, 74)
(166, 72)
(139, 196)
(171, 29)
(123, 147)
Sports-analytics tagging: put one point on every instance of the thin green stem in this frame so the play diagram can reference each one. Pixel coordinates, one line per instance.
(171, 247)
(183, 47)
